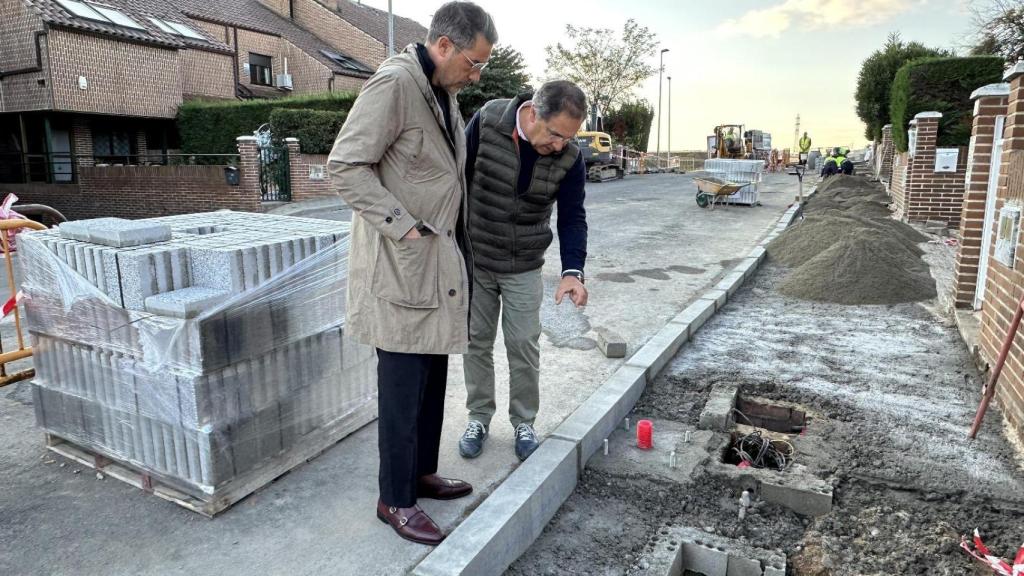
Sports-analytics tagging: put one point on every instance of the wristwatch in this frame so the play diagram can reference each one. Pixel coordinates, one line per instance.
(422, 228)
(578, 274)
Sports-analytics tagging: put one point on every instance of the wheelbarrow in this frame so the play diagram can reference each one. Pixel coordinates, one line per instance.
(711, 191)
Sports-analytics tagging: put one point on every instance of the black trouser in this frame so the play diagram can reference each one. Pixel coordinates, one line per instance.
(410, 403)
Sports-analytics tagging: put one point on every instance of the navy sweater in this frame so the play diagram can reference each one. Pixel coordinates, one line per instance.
(572, 216)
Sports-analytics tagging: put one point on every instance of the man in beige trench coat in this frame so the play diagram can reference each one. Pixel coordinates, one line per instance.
(399, 162)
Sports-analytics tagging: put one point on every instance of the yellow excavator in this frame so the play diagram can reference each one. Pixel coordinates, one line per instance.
(596, 148)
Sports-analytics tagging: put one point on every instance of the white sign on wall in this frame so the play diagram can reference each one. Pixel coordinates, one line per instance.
(1006, 234)
(912, 140)
(946, 159)
(317, 172)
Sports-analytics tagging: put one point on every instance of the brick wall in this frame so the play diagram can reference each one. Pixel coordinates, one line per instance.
(927, 194)
(28, 91)
(218, 31)
(140, 192)
(124, 79)
(347, 83)
(207, 74)
(308, 73)
(81, 140)
(1005, 286)
(304, 187)
(972, 215)
(885, 151)
(257, 43)
(338, 32)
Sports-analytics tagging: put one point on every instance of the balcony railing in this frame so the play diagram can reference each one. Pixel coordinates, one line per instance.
(62, 168)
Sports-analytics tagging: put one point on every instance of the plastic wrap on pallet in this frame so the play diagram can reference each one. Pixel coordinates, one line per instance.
(740, 172)
(201, 354)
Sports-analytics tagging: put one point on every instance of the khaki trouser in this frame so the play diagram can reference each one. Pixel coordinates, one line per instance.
(517, 297)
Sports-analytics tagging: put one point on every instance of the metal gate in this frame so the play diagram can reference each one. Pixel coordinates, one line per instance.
(275, 173)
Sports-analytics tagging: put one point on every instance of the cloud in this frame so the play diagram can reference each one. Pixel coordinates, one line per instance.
(771, 22)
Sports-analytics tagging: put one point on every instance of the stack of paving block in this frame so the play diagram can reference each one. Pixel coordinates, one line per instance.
(740, 172)
(198, 347)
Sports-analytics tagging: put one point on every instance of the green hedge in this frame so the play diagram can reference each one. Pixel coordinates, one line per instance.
(212, 127)
(315, 129)
(940, 85)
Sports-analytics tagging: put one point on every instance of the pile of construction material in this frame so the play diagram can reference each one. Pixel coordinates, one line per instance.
(848, 250)
(738, 172)
(204, 349)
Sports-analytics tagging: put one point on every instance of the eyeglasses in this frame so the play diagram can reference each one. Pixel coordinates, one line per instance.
(559, 138)
(478, 66)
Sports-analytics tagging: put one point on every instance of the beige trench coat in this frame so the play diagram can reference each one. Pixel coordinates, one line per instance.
(394, 165)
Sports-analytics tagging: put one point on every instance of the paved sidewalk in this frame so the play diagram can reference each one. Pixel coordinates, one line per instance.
(651, 251)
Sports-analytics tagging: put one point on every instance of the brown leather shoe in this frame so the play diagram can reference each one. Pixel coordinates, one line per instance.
(438, 488)
(413, 524)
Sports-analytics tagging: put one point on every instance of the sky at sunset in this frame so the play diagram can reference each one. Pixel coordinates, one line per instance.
(739, 61)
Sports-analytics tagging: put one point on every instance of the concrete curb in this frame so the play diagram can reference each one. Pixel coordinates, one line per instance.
(490, 539)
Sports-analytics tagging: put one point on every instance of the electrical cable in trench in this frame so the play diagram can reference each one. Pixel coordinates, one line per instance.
(761, 452)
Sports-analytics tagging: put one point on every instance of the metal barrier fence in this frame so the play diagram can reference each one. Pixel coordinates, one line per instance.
(22, 351)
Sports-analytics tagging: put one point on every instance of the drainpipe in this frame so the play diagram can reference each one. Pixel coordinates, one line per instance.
(31, 69)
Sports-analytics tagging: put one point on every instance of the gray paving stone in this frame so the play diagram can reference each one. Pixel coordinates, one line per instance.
(804, 494)
(126, 233)
(718, 296)
(731, 283)
(185, 303)
(654, 355)
(611, 344)
(696, 314)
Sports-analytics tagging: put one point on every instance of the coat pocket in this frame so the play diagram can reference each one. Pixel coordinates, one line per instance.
(405, 272)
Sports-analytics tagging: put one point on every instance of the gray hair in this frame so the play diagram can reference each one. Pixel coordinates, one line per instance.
(560, 96)
(461, 22)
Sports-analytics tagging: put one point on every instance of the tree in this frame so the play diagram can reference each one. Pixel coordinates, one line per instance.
(630, 123)
(607, 68)
(874, 83)
(999, 29)
(504, 77)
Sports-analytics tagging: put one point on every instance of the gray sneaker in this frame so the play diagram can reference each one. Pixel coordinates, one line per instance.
(526, 441)
(472, 442)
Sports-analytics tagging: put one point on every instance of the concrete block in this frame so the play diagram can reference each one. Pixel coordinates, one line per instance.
(219, 268)
(660, 349)
(704, 558)
(718, 410)
(126, 233)
(718, 296)
(748, 266)
(185, 303)
(803, 494)
(758, 252)
(731, 283)
(511, 518)
(599, 415)
(80, 229)
(611, 344)
(695, 315)
(145, 273)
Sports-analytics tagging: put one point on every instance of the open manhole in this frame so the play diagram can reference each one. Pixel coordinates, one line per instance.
(766, 435)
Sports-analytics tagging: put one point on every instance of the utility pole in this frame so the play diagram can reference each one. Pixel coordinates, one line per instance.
(661, 69)
(796, 136)
(668, 153)
(391, 31)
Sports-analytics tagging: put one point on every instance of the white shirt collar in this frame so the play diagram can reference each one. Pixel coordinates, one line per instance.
(519, 128)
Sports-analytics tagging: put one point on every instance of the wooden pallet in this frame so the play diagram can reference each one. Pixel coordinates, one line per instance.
(232, 491)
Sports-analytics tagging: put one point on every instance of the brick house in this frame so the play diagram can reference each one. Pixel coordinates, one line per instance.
(85, 83)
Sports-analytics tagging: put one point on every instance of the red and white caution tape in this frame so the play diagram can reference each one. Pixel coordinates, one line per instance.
(12, 303)
(997, 564)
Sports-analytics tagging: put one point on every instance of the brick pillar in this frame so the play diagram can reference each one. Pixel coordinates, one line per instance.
(989, 102)
(885, 151)
(930, 193)
(1005, 284)
(249, 165)
(81, 141)
(141, 147)
(296, 167)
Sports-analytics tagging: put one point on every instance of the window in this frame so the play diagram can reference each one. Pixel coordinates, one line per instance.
(82, 10)
(117, 17)
(176, 29)
(345, 61)
(113, 145)
(260, 70)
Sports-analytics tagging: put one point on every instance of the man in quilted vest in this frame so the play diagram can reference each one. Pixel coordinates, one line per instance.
(521, 161)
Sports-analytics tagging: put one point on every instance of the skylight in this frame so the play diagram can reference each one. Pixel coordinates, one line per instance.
(117, 17)
(176, 28)
(345, 61)
(82, 10)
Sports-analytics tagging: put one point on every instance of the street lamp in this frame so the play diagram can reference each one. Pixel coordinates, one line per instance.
(661, 69)
(668, 153)
(391, 31)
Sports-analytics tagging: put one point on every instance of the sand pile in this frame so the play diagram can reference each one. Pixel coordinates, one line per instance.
(865, 267)
(848, 250)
